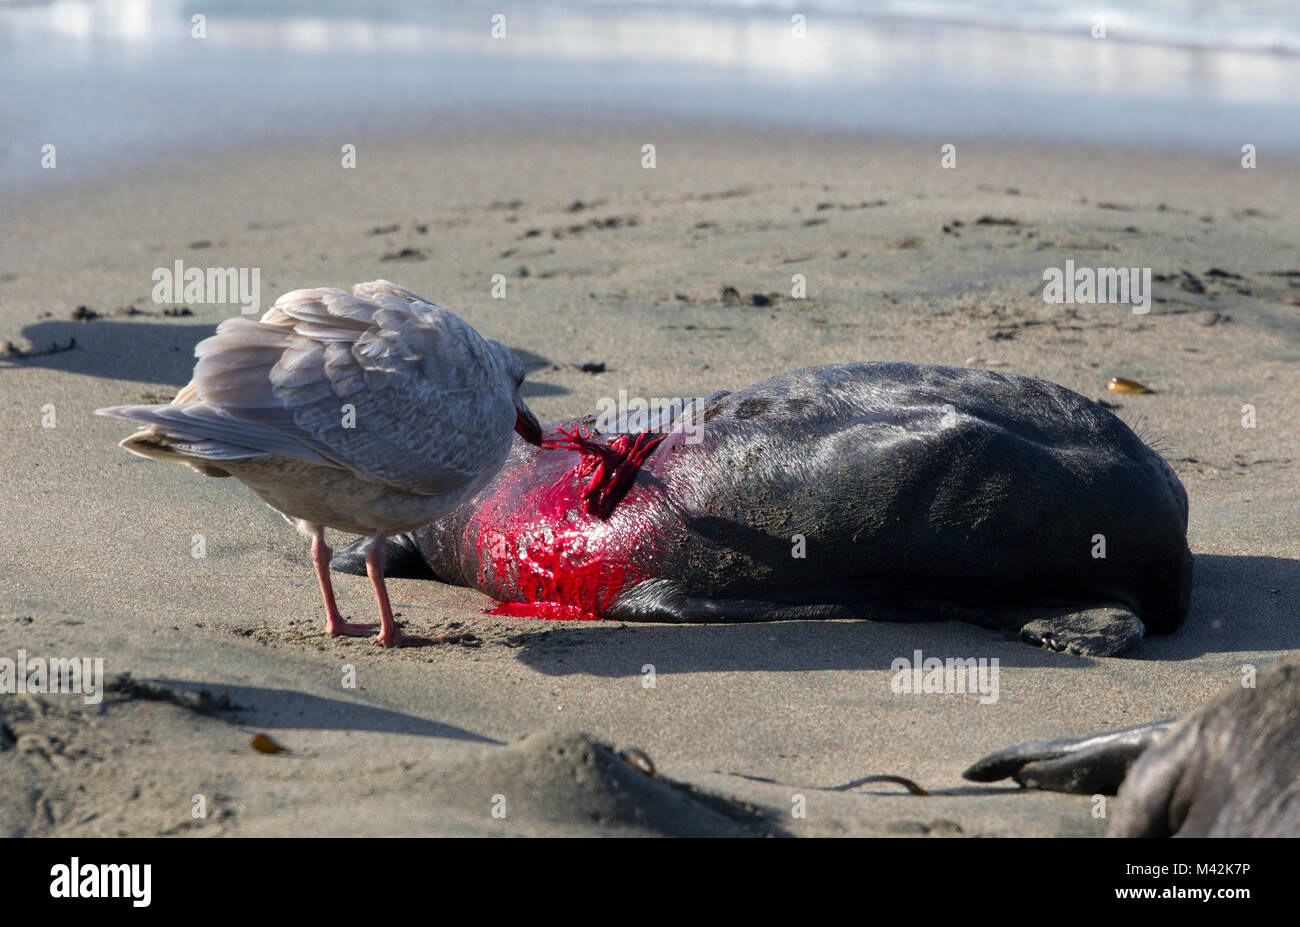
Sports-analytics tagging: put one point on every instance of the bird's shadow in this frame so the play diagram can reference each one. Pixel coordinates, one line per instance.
(534, 363)
(531, 359)
(1239, 603)
(152, 352)
(271, 708)
(141, 352)
(532, 389)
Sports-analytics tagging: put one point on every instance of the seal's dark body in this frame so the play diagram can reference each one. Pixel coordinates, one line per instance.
(1231, 769)
(916, 490)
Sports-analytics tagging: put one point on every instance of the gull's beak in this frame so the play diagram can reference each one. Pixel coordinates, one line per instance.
(526, 425)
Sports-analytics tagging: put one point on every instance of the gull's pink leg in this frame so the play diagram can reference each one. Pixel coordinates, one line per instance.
(334, 623)
(390, 635)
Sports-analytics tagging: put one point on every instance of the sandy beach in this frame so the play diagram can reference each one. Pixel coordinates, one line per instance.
(652, 273)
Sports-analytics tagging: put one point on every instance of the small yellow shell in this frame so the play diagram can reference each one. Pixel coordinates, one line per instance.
(640, 761)
(1121, 385)
(264, 743)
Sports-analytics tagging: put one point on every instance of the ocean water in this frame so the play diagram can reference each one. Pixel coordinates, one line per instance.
(122, 81)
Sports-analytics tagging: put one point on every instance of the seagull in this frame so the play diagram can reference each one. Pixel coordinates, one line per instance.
(371, 413)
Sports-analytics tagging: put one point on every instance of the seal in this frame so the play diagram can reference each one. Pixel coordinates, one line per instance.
(1231, 769)
(883, 490)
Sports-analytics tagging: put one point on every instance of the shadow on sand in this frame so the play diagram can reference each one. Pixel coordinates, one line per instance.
(1238, 604)
(284, 708)
(157, 352)
(139, 352)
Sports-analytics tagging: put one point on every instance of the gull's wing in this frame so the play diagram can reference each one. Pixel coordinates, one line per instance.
(195, 429)
(386, 384)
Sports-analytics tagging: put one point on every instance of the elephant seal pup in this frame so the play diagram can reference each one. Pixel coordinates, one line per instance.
(1231, 769)
(882, 490)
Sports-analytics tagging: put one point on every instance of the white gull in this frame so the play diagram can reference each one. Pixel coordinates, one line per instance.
(370, 413)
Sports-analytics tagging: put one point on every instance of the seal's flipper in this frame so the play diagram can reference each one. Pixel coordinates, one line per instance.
(1106, 631)
(1096, 771)
(1083, 765)
(402, 559)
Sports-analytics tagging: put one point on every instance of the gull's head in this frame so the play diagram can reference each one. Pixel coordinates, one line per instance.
(526, 424)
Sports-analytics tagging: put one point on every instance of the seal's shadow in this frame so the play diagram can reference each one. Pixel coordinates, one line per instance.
(1238, 603)
(1234, 608)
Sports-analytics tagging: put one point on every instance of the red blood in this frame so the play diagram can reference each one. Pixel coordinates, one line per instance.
(612, 467)
(554, 546)
(549, 611)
